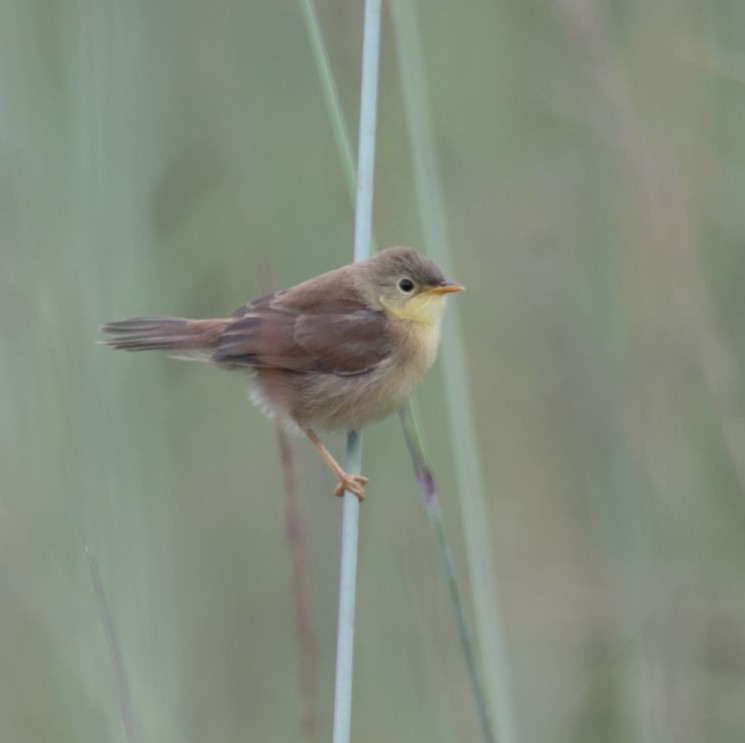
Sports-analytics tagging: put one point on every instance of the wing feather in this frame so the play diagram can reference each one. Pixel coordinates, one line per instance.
(344, 338)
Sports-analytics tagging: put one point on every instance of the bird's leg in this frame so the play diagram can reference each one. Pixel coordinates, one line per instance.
(353, 483)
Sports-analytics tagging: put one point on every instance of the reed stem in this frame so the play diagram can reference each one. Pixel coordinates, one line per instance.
(426, 481)
(492, 644)
(362, 240)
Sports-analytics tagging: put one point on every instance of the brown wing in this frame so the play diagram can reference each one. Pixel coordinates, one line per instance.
(337, 337)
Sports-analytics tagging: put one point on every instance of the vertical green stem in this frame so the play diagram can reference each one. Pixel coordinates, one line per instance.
(330, 94)
(362, 239)
(465, 447)
(426, 481)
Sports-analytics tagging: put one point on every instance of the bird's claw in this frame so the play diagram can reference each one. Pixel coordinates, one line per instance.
(352, 483)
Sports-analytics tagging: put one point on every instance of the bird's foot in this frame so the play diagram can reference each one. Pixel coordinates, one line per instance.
(352, 483)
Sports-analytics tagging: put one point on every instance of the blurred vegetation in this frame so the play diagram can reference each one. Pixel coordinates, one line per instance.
(176, 158)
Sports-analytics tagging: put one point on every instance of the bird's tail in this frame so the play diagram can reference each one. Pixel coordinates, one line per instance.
(164, 334)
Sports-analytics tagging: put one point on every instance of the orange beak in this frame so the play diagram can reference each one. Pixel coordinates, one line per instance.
(446, 287)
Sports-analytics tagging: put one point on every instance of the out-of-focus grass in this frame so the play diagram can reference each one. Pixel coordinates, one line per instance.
(155, 158)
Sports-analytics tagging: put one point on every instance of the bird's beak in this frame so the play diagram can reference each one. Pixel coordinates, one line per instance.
(444, 287)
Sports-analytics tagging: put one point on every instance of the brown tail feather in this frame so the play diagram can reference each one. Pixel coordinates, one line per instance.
(164, 333)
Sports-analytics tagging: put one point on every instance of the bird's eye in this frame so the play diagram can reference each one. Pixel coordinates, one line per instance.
(406, 286)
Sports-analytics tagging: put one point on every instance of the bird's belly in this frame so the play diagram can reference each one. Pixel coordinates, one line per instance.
(331, 402)
(334, 402)
(342, 402)
(369, 397)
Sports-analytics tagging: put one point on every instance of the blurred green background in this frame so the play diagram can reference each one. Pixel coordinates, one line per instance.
(165, 157)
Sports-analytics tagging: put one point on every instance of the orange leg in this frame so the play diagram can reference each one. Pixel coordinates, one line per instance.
(353, 483)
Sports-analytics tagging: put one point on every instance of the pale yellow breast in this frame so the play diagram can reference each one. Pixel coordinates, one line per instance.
(417, 325)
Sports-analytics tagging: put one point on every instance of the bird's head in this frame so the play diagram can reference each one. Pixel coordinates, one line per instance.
(405, 284)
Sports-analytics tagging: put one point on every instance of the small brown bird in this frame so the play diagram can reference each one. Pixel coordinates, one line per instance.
(335, 352)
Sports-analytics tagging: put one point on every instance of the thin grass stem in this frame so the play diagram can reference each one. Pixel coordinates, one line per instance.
(333, 102)
(362, 241)
(427, 482)
(472, 499)
(347, 599)
(117, 661)
(296, 538)
(330, 95)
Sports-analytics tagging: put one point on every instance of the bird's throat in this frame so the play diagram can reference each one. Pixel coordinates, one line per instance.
(424, 308)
